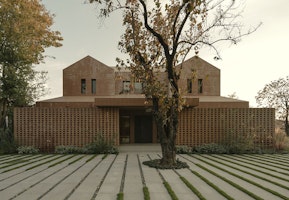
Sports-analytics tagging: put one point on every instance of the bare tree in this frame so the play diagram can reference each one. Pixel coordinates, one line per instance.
(276, 95)
(158, 36)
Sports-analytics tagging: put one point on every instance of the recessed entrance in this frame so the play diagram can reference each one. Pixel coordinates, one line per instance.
(124, 122)
(143, 129)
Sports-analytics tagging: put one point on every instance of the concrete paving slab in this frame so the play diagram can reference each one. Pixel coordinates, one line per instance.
(50, 181)
(133, 187)
(85, 188)
(111, 184)
(153, 181)
(67, 185)
(250, 187)
(90, 184)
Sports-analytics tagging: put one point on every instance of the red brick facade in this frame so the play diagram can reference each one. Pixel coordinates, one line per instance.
(99, 99)
(49, 127)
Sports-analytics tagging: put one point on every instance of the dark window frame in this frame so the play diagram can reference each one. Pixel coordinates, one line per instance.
(93, 86)
(189, 86)
(200, 86)
(83, 86)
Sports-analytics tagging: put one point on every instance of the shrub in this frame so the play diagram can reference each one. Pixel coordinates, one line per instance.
(281, 140)
(211, 148)
(68, 149)
(238, 143)
(100, 146)
(183, 149)
(7, 144)
(27, 150)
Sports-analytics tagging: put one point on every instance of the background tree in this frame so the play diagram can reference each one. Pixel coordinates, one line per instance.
(276, 95)
(233, 95)
(24, 34)
(159, 35)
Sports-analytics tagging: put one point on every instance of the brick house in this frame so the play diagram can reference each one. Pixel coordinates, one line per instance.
(98, 98)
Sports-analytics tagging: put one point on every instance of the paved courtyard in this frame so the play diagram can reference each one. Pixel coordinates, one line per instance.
(103, 177)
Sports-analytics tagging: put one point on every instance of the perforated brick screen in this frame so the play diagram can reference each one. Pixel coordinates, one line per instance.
(216, 125)
(49, 127)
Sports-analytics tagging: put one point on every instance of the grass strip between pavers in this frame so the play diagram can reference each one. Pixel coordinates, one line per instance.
(170, 191)
(242, 178)
(261, 165)
(20, 160)
(8, 157)
(60, 181)
(263, 162)
(228, 181)
(39, 181)
(146, 193)
(120, 196)
(192, 188)
(220, 191)
(74, 161)
(81, 181)
(145, 189)
(166, 184)
(121, 188)
(248, 167)
(43, 163)
(61, 161)
(270, 160)
(277, 156)
(29, 163)
(103, 178)
(91, 158)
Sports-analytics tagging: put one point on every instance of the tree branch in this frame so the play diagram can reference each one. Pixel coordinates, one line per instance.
(150, 29)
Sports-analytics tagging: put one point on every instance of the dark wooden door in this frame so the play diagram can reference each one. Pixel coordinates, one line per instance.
(143, 129)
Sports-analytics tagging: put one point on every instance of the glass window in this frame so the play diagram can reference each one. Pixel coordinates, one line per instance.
(200, 86)
(189, 85)
(83, 86)
(93, 86)
(138, 87)
(126, 86)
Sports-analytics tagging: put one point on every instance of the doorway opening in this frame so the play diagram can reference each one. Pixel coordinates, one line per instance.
(143, 129)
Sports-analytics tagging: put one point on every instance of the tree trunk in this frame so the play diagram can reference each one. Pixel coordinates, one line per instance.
(167, 134)
(286, 126)
(168, 153)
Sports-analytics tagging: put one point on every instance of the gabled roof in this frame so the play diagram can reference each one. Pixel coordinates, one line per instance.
(90, 61)
(198, 62)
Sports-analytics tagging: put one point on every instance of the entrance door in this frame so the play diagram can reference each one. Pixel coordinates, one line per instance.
(124, 126)
(143, 129)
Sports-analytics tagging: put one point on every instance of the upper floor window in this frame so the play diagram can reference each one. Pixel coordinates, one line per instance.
(126, 86)
(83, 86)
(136, 87)
(200, 86)
(189, 85)
(93, 86)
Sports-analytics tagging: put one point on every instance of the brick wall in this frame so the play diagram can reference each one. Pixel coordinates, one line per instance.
(211, 125)
(49, 127)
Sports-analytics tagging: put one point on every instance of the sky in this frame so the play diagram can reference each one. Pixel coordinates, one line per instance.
(245, 68)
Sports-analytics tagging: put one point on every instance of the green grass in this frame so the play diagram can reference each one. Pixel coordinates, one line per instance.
(242, 178)
(27, 163)
(120, 196)
(170, 190)
(252, 168)
(74, 161)
(91, 158)
(146, 193)
(192, 188)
